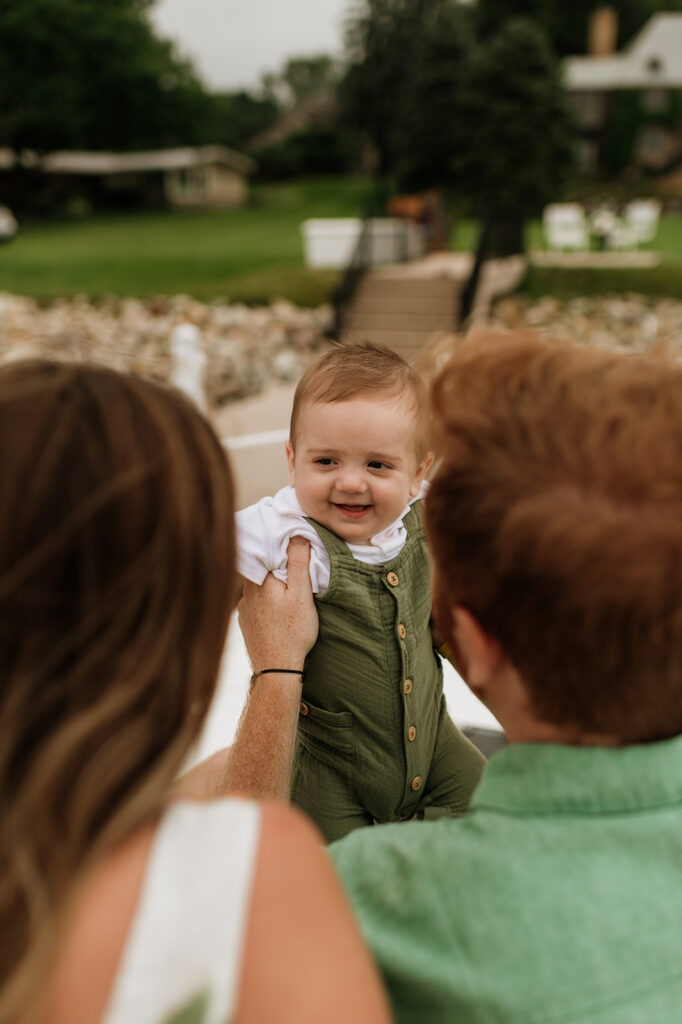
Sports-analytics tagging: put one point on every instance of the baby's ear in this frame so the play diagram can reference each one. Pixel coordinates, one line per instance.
(422, 469)
(289, 449)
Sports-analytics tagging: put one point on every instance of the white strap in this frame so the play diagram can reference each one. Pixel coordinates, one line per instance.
(188, 931)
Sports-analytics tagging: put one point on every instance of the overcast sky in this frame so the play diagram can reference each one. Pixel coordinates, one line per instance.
(232, 42)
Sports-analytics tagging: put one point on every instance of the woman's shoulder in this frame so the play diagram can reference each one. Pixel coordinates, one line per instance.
(300, 915)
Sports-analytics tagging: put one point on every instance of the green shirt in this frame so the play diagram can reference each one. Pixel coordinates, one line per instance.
(557, 897)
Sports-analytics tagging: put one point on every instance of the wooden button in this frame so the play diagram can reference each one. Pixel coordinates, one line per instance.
(303, 708)
(407, 686)
(392, 578)
(411, 733)
(402, 632)
(417, 782)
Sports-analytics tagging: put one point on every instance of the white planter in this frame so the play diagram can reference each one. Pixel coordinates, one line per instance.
(332, 242)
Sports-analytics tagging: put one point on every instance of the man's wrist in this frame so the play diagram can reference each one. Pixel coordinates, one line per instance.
(291, 672)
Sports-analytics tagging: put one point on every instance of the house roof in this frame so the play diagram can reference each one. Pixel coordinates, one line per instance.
(319, 109)
(652, 60)
(86, 162)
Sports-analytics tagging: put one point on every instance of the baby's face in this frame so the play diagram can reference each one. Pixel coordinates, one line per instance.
(354, 465)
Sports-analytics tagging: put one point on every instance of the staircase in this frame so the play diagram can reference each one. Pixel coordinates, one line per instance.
(404, 305)
(402, 312)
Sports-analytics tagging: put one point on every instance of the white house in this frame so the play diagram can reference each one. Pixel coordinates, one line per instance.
(651, 64)
(186, 176)
(182, 177)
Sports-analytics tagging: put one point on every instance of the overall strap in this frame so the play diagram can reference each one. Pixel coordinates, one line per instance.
(333, 544)
(413, 520)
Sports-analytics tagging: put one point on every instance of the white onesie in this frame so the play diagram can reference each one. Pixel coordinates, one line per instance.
(265, 529)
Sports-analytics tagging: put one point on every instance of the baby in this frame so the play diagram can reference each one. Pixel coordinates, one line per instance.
(375, 742)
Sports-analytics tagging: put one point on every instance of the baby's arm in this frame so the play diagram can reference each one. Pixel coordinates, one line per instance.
(263, 535)
(254, 559)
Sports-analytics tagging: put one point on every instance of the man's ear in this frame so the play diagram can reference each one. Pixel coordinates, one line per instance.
(422, 469)
(480, 654)
(289, 449)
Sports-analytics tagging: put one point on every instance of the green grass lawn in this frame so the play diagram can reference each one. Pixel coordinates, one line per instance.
(249, 254)
(665, 279)
(255, 253)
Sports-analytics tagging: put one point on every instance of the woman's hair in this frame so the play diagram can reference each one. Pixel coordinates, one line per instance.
(116, 585)
(556, 518)
(358, 370)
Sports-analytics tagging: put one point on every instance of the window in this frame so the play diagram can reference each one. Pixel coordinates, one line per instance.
(654, 101)
(653, 145)
(191, 182)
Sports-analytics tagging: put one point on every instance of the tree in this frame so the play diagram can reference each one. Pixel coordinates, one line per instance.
(91, 74)
(567, 24)
(520, 150)
(444, 105)
(379, 39)
(239, 116)
(428, 128)
(492, 14)
(301, 78)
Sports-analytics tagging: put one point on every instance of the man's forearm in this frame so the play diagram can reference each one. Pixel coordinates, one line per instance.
(260, 760)
(204, 781)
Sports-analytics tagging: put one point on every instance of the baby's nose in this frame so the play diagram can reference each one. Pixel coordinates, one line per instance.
(350, 481)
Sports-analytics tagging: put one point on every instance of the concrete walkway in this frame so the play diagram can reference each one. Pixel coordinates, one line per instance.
(254, 431)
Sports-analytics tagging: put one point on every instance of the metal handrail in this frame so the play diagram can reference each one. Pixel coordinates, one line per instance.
(344, 292)
(468, 294)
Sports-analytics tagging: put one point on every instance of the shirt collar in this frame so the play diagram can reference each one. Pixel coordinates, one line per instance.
(287, 503)
(543, 778)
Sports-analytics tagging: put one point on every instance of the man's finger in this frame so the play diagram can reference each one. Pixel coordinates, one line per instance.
(298, 560)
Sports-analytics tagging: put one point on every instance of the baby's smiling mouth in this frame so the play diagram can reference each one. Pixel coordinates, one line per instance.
(353, 510)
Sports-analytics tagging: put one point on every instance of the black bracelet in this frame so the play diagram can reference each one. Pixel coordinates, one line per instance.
(279, 671)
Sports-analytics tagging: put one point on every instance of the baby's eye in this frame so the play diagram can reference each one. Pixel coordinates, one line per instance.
(323, 462)
(375, 464)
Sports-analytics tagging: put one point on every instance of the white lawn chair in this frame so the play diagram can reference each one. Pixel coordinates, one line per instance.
(622, 236)
(641, 215)
(565, 226)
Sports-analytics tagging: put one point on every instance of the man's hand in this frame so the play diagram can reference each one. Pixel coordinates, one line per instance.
(279, 621)
(279, 624)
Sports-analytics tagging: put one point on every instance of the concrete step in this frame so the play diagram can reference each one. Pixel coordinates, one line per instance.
(401, 312)
(379, 281)
(411, 320)
(406, 291)
(410, 344)
(397, 305)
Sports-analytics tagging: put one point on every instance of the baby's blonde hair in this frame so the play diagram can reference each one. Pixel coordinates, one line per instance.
(352, 371)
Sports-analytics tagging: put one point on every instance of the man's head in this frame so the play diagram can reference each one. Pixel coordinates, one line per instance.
(555, 520)
(357, 443)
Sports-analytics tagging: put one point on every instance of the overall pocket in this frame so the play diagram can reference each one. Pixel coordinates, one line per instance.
(327, 736)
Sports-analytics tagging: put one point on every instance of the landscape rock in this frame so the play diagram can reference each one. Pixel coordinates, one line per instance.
(245, 348)
(621, 321)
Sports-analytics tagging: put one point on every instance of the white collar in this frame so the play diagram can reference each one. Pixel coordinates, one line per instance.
(287, 504)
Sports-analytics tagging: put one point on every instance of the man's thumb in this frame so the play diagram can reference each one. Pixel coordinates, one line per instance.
(298, 560)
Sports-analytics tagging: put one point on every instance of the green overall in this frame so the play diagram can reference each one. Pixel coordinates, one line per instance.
(375, 742)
